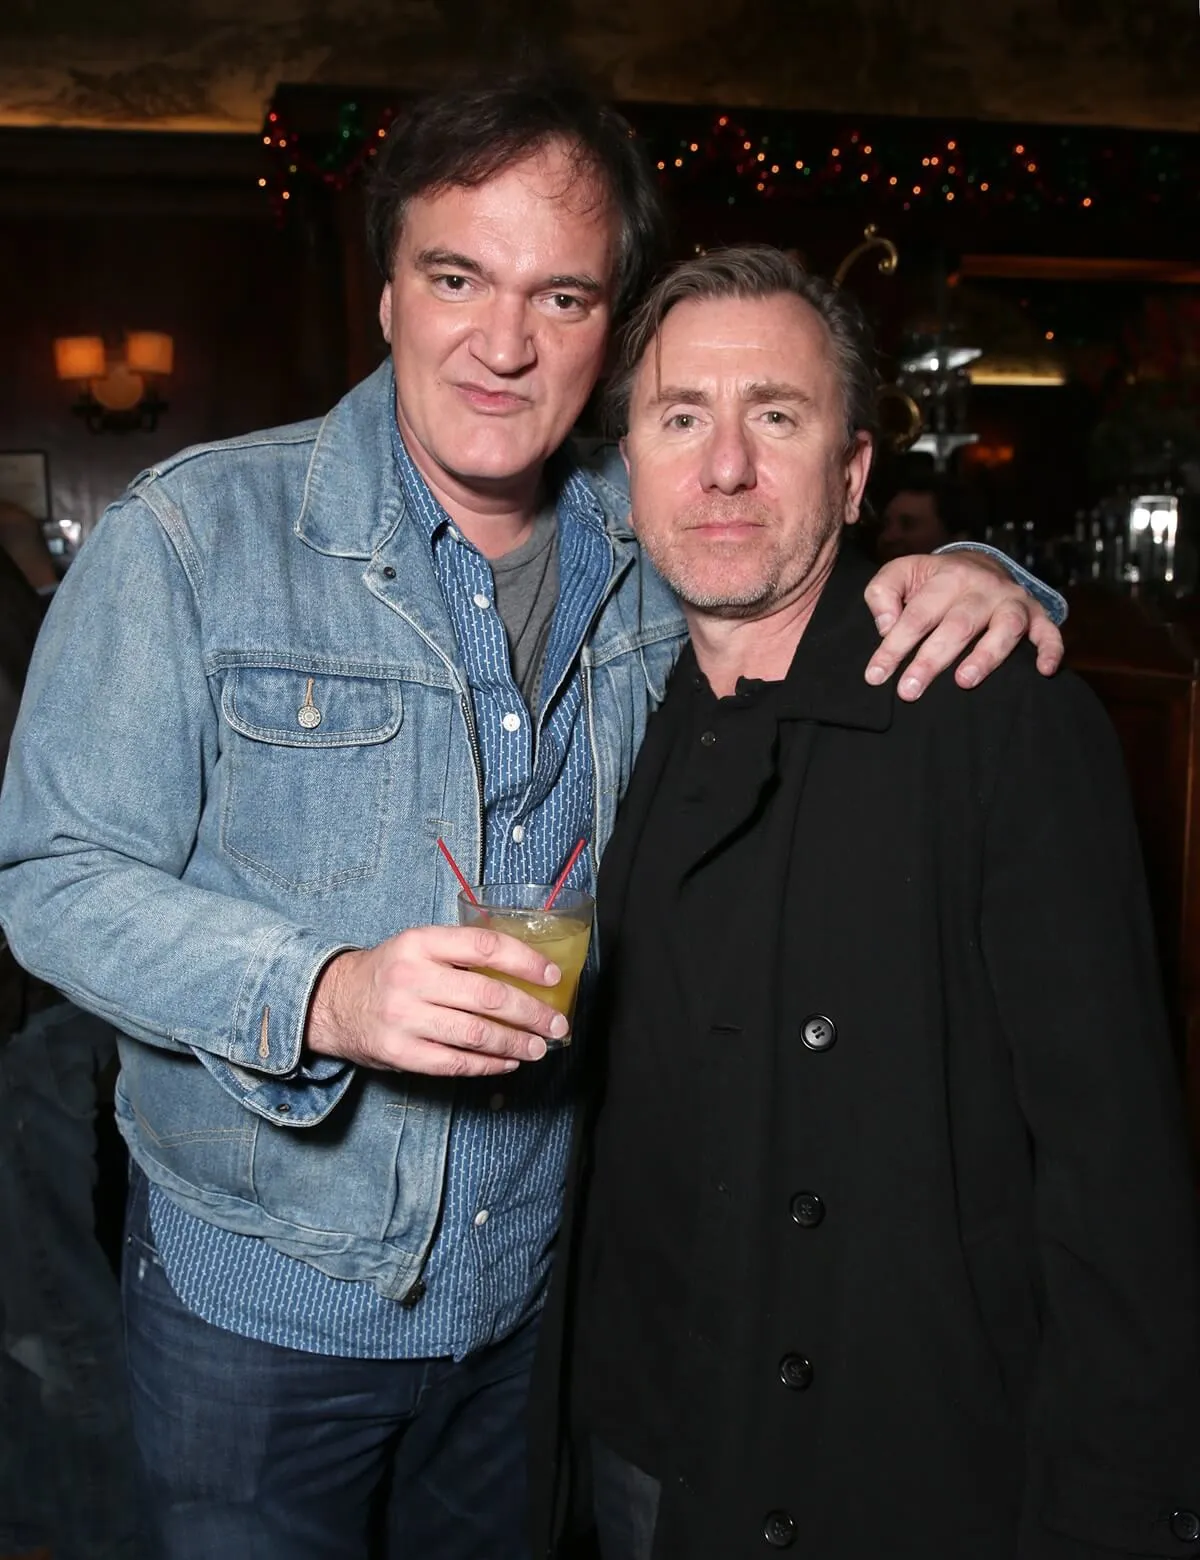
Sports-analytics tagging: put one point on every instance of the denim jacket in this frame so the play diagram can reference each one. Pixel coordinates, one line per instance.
(246, 725)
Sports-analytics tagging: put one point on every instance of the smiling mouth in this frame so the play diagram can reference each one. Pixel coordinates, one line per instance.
(485, 400)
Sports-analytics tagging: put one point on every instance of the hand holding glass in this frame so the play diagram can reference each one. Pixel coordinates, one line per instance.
(560, 933)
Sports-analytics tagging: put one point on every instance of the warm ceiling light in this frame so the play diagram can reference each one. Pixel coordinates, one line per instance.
(79, 357)
(1030, 378)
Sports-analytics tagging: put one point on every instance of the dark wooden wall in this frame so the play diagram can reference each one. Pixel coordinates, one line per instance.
(109, 232)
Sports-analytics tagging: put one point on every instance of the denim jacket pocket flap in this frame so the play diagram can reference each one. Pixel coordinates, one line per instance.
(289, 707)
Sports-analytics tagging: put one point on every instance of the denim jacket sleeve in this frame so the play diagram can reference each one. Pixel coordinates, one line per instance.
(102, 801)
(1045, 595)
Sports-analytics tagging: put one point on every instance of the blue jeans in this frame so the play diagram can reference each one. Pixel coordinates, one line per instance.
(625, 1505)
(68, 1462)
(264, 1453)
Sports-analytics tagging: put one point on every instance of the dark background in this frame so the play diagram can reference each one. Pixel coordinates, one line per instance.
(131, 151)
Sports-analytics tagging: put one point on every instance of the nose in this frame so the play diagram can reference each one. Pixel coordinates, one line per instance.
(728, 465)
(503, 339)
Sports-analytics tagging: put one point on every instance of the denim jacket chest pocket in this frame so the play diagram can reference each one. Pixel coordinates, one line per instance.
(308, 769)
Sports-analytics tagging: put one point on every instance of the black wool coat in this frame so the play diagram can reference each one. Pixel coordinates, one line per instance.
(946, 1165)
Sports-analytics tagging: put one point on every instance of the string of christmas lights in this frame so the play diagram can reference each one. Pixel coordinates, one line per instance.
(742, 156)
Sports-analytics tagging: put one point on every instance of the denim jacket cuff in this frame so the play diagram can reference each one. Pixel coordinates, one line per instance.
(265, 1068)
(1045, 595)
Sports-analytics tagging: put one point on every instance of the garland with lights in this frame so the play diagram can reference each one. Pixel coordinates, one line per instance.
(740, 156)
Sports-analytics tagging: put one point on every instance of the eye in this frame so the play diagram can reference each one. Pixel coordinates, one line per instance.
(565, 304)
(683, 421)
(453, 283)
(777, 419)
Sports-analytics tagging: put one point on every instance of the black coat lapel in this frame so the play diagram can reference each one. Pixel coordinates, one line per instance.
(613, 883)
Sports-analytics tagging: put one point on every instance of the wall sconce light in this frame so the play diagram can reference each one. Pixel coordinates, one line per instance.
(117, 393)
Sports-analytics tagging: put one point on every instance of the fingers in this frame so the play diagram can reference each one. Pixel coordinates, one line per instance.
(951, 602)
(1008, 627)
(467, 993)
(886, 592)
(479, 947)
(443, 1061)
(952, 636)
(924, 612)
(1048, 642)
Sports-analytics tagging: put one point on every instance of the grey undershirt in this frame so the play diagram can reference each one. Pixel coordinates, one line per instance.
(526, 595)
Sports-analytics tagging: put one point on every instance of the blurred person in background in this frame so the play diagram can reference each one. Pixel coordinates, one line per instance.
(922, 511)
(68, 1464)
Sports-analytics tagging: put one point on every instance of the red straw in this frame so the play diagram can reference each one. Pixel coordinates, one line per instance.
(564, 874)
(466, 887)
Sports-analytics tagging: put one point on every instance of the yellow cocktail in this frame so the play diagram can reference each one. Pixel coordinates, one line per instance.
(560, 934)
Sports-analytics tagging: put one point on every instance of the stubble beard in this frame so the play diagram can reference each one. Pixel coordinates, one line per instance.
(782, 575)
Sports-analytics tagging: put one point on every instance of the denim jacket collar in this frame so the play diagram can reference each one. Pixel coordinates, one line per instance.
(352, 501)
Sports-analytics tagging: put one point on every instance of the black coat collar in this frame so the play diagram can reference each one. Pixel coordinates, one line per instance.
(825, 680)
(824, 684)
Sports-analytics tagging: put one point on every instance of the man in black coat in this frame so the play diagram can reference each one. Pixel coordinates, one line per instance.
(883, 1240)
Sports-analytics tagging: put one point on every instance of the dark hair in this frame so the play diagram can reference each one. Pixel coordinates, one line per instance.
(754, 271)
(469, 134)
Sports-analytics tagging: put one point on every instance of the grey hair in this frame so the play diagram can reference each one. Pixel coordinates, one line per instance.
(753, 271)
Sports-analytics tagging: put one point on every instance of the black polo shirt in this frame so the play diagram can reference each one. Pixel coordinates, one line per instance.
(641, 1244)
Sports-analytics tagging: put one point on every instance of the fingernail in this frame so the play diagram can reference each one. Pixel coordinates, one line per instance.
(910, 687)
(968, 676)
(884, 621)
(510, 1066)
(876, 675)
(553, 974)
(536, 1049)
(559, 1027)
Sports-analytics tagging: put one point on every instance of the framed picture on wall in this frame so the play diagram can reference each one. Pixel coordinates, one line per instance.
(25, 481)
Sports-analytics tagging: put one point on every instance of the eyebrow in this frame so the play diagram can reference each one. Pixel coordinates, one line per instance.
(451, 260)
(755, 393)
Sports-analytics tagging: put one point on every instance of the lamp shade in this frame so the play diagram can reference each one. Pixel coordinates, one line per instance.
(149, 352)
(79, 357)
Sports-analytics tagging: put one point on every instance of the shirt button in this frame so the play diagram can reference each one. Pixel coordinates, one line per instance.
(819, 1033)
(1185, 1525)
(808, 1210)
(707, 738)
(480, 600)
(510, 722)
(481, 1218)
(779, 1530)
(518, 833)
(496, 1102)
(795, 1372)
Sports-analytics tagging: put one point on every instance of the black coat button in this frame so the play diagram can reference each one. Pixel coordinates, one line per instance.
(795, 1372)
(779, 1530)
(708, 738)
(808, 1210)
(1186, 1526)
(819, 1033)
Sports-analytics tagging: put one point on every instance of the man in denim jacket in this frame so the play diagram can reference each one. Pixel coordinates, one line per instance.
(281, 670)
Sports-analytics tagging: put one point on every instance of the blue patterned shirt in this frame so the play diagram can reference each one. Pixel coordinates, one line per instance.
(510, 1135)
